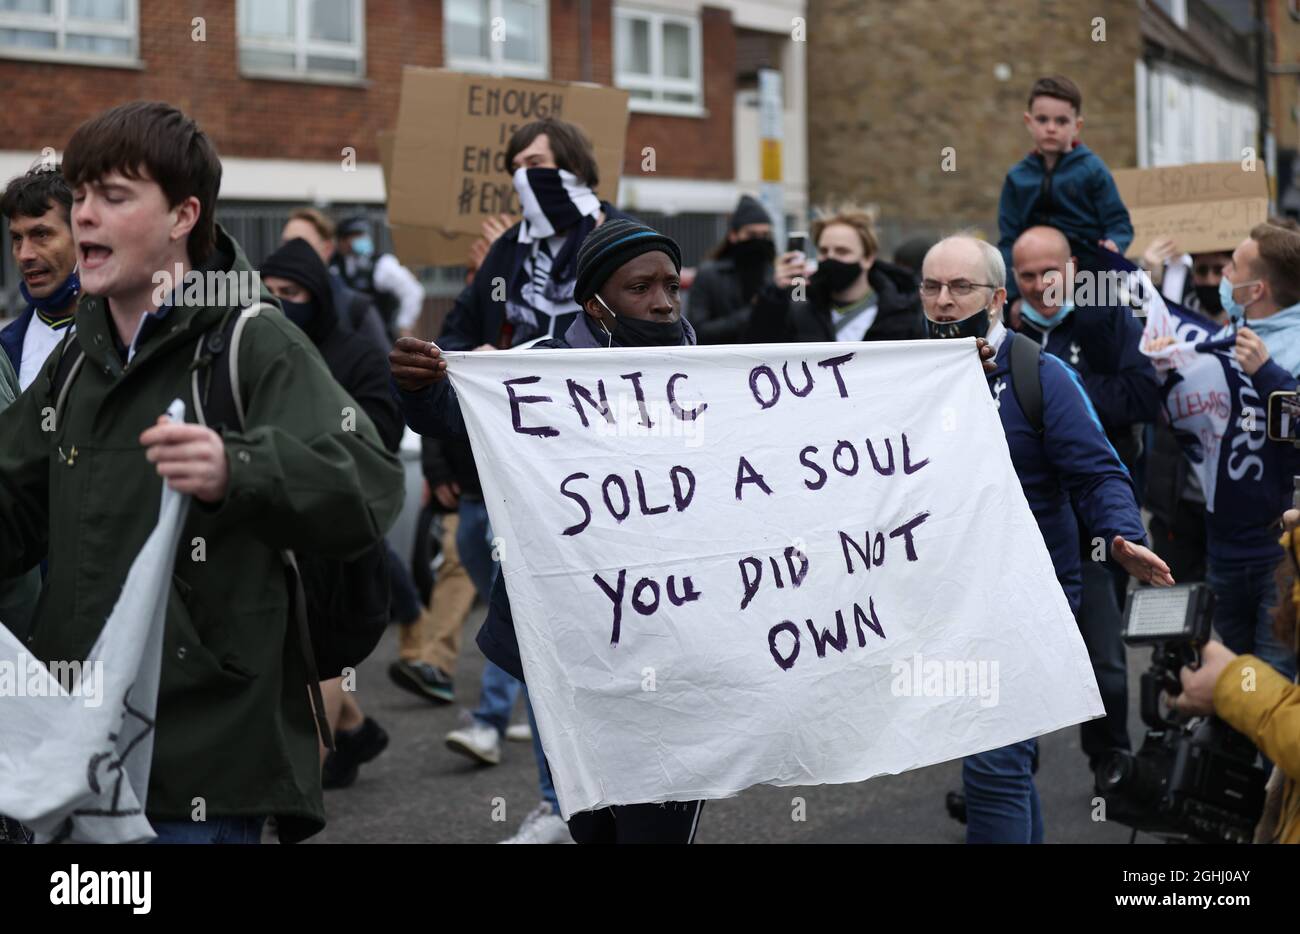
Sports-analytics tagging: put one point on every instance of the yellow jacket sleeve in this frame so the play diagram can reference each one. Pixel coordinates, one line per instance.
(1269, 715)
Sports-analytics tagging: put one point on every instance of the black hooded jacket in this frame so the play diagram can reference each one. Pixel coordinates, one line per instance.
(777, 318)
(345, 596)
(356, 362)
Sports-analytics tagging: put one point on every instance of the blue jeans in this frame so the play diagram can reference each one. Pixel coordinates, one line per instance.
(217, 830)
(1101, 624)
(1244, 598)
(543, 768)
(1001, 800)
(499, 690)
(474, 542)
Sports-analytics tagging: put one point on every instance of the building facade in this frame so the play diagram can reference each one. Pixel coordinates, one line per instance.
(916, 108)
(294, 92)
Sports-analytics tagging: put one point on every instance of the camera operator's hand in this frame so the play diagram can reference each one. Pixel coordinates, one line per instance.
(1142, 563)
(1198, 683)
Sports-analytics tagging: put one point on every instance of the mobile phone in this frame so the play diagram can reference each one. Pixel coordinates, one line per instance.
(797, 242)
(1283, 417)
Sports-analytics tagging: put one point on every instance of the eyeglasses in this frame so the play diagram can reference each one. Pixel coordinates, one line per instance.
(1204, 269)
(957, 288)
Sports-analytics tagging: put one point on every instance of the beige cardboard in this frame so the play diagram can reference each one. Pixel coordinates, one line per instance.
(1203, 207)
(448, 169)
(420, 246)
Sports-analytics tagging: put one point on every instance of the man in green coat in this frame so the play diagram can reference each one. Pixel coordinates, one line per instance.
(235, 739)
(17, 594)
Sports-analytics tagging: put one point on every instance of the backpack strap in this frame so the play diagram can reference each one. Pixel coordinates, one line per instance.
(71, 357)
(220, 405)
(1027, 379)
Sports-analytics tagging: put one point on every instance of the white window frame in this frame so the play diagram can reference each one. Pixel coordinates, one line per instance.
(300, 46)
(656, 83)
(58, 22)
(496, 63)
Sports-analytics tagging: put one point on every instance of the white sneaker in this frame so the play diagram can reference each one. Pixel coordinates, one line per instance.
(478, 741)
(542, 825)
(519, 733)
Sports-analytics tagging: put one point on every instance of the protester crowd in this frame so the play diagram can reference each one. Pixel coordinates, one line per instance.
(300, 404)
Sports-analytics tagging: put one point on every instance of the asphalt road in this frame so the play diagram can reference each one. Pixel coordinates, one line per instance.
(419, 791)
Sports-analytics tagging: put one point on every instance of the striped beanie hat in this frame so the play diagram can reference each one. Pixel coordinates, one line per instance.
(611, 245)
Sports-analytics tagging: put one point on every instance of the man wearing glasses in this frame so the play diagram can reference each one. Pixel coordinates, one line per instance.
(1060, 456)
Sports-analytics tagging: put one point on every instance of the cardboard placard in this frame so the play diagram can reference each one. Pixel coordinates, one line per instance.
(419, 246)
(1202, 207)
(448, 167)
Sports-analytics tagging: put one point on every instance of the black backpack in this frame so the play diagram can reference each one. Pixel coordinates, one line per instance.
(1027, 379)
(340, 608)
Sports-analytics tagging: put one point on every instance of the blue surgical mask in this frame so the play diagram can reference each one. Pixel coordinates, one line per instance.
(1041, 320)
(1236, 313)
(363, 246)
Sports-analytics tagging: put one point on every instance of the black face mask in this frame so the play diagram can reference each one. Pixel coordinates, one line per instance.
(638, 332)
(977, 325)
(757, 250)
(835, 275)
(300, 313)
(552, 198)
(753, 259)
(1208, 296)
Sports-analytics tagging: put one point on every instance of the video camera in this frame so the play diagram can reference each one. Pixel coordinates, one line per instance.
(1195, 779)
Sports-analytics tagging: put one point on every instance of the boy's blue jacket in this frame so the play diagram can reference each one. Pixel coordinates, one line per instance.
(1078, 197)
(1071, 461)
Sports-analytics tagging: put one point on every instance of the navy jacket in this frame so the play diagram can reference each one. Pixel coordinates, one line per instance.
(435, 411)
(12, 337)
(1078, 197)
(1071, 462)
(1256, 478)
(1101, 344)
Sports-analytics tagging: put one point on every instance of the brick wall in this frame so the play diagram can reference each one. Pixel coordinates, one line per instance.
(261, 118)
(890, 85)
(248, 117)
(695, 147)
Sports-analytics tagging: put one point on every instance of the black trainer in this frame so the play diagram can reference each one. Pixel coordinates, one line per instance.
(433, 684)
(955, 802)
(352, 748)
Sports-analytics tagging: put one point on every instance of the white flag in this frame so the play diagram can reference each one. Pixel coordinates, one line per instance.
(781, 564)
(75, 750)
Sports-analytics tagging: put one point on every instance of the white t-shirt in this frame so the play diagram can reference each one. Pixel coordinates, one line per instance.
(39, 340)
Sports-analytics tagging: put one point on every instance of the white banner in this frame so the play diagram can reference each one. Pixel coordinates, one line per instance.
(781, 564)
(76, 736)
